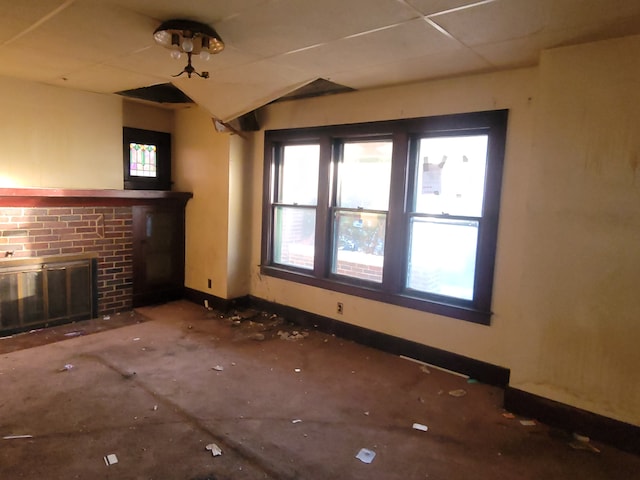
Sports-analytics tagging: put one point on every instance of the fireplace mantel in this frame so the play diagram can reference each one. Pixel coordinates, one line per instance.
(63, 197)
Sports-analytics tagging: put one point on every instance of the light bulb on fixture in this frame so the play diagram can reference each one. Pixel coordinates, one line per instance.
(187, 45)
(192, 38)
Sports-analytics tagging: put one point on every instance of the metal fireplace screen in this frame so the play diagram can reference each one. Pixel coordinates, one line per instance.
(42, 291)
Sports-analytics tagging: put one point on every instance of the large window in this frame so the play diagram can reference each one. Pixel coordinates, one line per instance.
(403, 212)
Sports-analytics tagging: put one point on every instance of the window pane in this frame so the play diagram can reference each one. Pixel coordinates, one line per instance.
(142, 160)
(442, 257)
(451, 175)
(299, 175)
(364, 175)
(359, 245)
(294, 231)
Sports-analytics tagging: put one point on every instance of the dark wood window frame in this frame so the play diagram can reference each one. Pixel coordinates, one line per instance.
(148, 137)
(405, 134)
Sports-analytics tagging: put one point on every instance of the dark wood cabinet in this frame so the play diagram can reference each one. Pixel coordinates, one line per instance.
(158, 253)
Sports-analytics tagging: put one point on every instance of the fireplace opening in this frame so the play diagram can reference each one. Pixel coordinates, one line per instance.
(45, 291)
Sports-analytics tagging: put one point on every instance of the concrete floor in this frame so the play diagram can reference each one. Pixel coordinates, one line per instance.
(279, 407)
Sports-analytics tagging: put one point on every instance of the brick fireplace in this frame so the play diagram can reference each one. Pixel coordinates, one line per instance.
(40, 232)
(49, 223)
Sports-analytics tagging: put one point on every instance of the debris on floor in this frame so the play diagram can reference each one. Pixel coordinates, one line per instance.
(582, 442)
(365, 455)
(16, 437)
(528, 423)
(458, 393)
(214, 449)
(421, 427)
(508, 415)
(218, 368)
(292, 336)
(128, 375)
(424, 369)
(75, 333)
(110, 459)
(66, 368)
(251, 324)
(472, 380)
(297, 420)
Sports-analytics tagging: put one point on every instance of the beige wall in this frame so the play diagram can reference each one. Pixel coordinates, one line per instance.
(201, 166)
(565, 296)
(58, 137)
(148, 117)
(579, 295)
(241, 194)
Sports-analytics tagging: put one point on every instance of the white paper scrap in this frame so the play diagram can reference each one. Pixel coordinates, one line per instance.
(297, 420)
(365, 455)
(214, 449)
(419, 426)
(14, 437)
(527, 423)
(218, 368)
(110, 459)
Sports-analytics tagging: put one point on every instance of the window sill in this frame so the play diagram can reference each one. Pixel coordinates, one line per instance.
(458, 312)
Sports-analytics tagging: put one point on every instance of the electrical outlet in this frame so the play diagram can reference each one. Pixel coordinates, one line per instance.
(340, 308)
(208, 283)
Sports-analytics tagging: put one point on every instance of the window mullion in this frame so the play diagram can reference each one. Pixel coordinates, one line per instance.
(394, 255)
(269, 184)
(323, 210)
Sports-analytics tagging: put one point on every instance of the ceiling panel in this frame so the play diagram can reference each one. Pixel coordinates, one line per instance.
(415, 38)
(35, 64)
(17, 16)
(516, 19)
(287, 25)
(91, 31)
(432, 66)
(106, 79)
(209, 11)
(429, 7)
(234, 92)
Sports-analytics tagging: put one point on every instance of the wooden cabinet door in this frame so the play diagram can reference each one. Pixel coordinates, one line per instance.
(158, 253)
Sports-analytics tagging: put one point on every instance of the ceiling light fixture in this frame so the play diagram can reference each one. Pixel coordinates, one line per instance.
(192, 38)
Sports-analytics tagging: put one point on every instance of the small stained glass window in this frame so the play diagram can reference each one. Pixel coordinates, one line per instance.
(146, 159)
(142, 160)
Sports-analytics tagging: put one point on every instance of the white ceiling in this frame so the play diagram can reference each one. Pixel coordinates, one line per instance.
(275, 46)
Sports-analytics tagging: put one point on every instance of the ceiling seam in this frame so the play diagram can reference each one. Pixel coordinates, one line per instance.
(462, 7)
(35, 25)
(444, 31)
